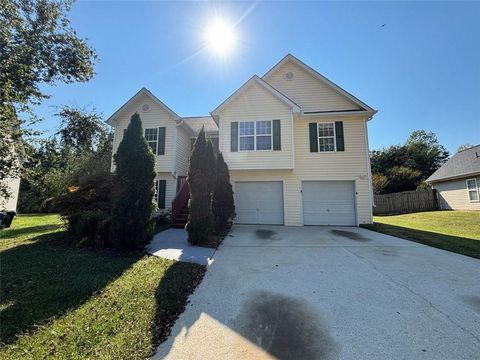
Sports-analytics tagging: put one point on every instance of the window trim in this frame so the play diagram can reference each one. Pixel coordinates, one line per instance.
(255, 135)
(149, 141)
(334, 136)
(475, 189)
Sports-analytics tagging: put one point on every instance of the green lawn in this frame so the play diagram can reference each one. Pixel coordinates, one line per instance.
(457, 231)
(63, 302)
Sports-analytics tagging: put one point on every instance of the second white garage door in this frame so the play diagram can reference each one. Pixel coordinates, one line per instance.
(259, 202)
(328, 203)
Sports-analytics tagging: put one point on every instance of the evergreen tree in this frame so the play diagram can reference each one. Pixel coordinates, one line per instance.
(134, 176)
(223, 206)
(211, 167)
(200, 181)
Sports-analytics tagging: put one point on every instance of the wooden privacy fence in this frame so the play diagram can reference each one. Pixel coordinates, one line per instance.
(405, 202)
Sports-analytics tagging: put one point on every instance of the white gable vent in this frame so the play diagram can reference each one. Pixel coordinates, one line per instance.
(145, 107)
(289, 75)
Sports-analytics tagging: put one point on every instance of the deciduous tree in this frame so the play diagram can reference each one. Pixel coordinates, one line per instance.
(406, 167)
(37, 46)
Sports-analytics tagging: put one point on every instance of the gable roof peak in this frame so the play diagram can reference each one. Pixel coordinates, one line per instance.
(291, 58)
(146, 92)
(258, 80)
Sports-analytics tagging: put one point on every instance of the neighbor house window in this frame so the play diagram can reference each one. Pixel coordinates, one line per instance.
(326, 137)
(255, 135)
(151, 135)
(472, 189)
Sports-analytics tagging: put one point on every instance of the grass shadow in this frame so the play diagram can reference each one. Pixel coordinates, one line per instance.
(46, 278)
(171, 296)
(16, 232)
(460, 245)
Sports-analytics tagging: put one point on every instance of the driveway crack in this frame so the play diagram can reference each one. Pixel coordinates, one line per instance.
(405, 287)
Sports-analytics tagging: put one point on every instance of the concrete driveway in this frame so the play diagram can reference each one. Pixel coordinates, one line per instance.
(330, 293)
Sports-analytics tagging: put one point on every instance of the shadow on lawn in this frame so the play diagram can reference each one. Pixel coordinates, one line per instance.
(457, 244)
(46, 278)
(171, 295)
(12, 232)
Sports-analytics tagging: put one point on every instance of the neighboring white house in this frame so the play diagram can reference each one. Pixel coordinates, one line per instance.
(458, 181)
(296, 145)
(11, 203)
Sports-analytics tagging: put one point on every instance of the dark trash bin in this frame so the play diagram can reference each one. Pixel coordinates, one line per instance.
(6, 218)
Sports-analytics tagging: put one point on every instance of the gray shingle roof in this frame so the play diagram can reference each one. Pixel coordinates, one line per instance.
(463, 163)
(196, 123)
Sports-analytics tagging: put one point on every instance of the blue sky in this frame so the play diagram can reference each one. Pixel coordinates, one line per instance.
(421, 70)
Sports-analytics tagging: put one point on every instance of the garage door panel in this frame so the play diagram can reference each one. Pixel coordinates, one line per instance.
(259, 202)
(328, 203)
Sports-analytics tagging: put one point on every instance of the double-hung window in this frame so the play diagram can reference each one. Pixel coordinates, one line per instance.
(472, 188)
(326, 137)
(151, 135)
(255, 135)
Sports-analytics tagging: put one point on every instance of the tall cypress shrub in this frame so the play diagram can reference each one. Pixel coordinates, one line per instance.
(211, 168)
(134, 176)
(200, 223)
(223, 206)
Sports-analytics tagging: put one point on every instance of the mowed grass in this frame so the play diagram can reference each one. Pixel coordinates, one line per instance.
(63, 302)
(457, 231)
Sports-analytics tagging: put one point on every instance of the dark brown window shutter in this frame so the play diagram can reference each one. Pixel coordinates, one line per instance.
(277, 139)
(339, 136)
(161, 141)
(313, 132)
(161, 193)
(234, 136)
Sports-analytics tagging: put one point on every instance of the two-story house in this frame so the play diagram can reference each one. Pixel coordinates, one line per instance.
(296, 145)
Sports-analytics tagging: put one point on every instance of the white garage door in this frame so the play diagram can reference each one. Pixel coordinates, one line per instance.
(328, 203)
(259, 202)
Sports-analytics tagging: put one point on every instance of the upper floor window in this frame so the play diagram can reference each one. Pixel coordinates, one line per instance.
(472, 190)
(255, 135)
(326, 137)
(151, 135)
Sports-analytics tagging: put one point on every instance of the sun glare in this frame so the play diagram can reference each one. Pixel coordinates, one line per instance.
(220, 37)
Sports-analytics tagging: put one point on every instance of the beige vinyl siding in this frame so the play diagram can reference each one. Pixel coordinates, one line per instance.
(170, 189)
(156, 117)
(256, 103)
(350, 164)
(183, 152)
(310, 93)
(453, 194)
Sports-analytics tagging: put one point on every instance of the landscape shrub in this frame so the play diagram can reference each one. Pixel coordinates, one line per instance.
(200, 225)
(163, 218)
(223, 206)
(132, 223)
(85, 208)
(90, 227)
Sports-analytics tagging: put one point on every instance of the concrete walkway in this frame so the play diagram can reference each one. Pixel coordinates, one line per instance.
(172, 244)
(330, 293)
